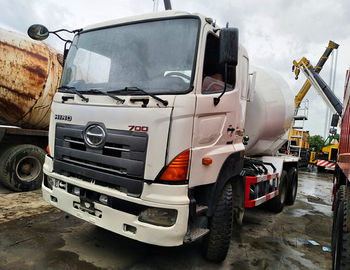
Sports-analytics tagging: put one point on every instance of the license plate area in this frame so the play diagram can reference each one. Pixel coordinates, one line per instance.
(88, 207)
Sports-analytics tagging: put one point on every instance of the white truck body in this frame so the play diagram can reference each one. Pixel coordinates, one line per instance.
(189, 122)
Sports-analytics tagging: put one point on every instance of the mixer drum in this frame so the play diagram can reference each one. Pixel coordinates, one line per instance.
(29, 77)
(269, 113)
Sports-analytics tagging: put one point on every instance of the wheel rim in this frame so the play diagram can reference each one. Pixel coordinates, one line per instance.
(28, 168)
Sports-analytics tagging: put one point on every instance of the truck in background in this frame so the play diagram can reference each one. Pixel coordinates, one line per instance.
(162, 132)
(325, 159)
(341, 192)
(29, 77)
(298, 139)
(298, 145)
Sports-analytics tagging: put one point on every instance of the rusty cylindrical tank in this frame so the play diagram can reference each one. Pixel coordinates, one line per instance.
(29, 76)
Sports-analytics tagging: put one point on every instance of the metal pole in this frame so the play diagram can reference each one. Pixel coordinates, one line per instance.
(167, 4)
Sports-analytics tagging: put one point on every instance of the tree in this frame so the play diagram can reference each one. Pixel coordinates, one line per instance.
(316, 142)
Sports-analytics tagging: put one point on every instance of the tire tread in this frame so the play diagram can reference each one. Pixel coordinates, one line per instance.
(218, 240)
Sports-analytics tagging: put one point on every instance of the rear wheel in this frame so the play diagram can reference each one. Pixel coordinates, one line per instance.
(216, 243)
(341, 239)
(340, 197)
(276, 204)
(21, 167)
(340, 235)
(292, 186)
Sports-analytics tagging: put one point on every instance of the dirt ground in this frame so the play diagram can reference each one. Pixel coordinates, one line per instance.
(34, 235)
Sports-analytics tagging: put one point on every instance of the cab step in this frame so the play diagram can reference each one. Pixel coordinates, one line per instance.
(195, 234)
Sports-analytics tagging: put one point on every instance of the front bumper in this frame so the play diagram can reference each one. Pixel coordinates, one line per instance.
(121, 222)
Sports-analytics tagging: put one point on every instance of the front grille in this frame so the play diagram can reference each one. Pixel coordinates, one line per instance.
(120, 162)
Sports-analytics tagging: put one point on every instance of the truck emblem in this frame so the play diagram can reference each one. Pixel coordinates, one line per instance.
(94, 136)
(63, 117)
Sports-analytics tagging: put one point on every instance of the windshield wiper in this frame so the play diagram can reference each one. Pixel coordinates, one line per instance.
(105, 93)
(73, 90)
(129, 89)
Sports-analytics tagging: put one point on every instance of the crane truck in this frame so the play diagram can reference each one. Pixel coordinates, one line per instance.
(298, 140)
(162, 132)
(328, 158)
(29, 77)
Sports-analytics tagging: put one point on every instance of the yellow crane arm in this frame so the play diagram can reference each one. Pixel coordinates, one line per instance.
(306, 86)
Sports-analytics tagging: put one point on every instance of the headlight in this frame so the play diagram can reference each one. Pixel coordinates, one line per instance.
(76, 191)
(103, 199)
(159, 216)
(48, 181)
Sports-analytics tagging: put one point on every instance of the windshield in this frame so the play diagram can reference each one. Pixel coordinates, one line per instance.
(157, 56)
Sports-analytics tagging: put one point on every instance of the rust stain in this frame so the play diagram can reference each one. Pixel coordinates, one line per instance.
(60, 59)
(33, 54)
(29, 76)
(36, 70)
(11, 109)
(16, 92)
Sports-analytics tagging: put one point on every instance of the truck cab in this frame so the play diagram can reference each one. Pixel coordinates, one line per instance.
(147, 128)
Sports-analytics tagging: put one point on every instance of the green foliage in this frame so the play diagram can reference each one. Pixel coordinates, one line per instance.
(316, 142)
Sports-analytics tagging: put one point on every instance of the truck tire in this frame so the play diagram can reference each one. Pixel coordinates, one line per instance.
(341, 248)
(216, 243)
(21, 167)
(276, 204)
(292, 186)
(339, 198)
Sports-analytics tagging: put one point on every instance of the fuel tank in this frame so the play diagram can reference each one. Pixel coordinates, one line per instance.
(29, 76)
(269, 113)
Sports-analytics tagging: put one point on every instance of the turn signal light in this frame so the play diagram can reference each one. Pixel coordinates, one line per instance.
(207, 161)
(48, 150)
(178, 167)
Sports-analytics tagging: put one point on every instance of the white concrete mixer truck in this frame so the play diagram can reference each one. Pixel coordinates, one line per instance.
(29, 77)
(161, 132)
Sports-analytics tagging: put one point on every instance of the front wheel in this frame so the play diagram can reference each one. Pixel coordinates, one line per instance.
(217, 242)
(21, 167)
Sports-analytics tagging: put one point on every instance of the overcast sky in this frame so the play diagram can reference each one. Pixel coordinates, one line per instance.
(273, 32)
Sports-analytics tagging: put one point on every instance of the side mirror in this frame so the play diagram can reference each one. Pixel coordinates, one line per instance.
(229, 46)
(38, 32)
